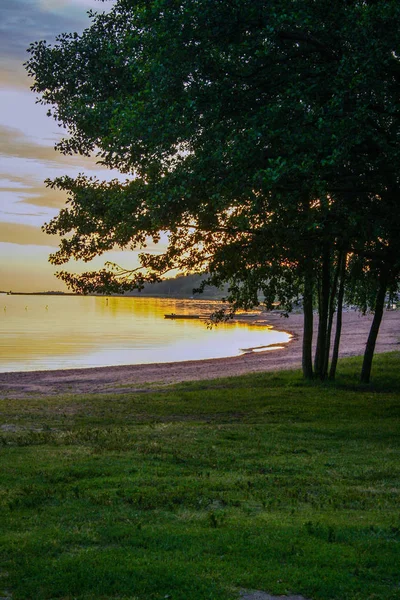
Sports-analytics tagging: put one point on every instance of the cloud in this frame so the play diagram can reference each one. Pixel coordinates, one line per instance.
(18, 145)
(24, 235)
(25, 164)
(17, 233)
(27, 138)
(31, 193)
(65, 6)
(25, 21)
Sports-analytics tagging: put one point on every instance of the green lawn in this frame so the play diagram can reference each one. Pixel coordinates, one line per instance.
(199, 490)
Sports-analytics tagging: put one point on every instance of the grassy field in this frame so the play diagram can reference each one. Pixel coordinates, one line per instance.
(197, 491)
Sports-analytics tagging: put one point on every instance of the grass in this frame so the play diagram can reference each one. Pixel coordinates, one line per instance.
(199, 490)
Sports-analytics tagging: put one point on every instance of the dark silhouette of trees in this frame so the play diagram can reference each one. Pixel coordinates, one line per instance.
(262, 136)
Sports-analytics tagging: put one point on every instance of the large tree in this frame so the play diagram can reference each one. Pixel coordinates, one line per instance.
(260, 135)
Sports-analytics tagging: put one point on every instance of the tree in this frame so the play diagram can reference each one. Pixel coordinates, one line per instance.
(251, 131)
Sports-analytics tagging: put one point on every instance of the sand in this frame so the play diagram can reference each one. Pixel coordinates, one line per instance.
(122, 379)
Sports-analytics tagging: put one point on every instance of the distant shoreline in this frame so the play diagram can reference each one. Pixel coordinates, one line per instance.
(40, 294)
(138, 295)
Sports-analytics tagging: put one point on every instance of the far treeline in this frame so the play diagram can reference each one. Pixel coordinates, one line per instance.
(261, 136)
(181, 286)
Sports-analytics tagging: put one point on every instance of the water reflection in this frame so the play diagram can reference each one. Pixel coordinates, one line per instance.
(53, 332)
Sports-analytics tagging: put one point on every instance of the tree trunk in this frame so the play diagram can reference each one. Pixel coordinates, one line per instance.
(323, 316)
(308, 323)
(331, 311)
(373, 333)
(335, 352)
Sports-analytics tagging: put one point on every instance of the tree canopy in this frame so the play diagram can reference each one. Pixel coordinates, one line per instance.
(261, 135)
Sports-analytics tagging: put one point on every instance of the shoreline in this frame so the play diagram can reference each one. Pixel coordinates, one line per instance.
(133, 378)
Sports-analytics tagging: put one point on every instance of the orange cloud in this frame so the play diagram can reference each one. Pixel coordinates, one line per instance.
(15, 144)
(17, 233)
(31, 193)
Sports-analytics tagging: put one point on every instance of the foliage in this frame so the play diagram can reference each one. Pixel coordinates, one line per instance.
(262, 136)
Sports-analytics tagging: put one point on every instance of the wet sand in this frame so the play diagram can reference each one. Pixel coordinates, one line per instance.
(136, 377)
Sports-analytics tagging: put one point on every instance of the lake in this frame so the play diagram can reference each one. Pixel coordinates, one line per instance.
(65, 332)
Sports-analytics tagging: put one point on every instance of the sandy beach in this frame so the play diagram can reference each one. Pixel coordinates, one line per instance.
(119, 379)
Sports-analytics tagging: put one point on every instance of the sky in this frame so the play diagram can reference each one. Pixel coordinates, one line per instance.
(27, 155)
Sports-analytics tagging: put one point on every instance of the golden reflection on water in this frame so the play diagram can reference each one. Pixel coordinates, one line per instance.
(53, 332)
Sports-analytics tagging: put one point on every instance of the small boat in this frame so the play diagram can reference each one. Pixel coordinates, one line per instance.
(174, 316)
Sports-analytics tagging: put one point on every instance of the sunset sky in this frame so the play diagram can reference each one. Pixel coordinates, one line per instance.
(27, 155)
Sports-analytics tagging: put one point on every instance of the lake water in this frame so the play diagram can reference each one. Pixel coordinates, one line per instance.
(65, 332)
